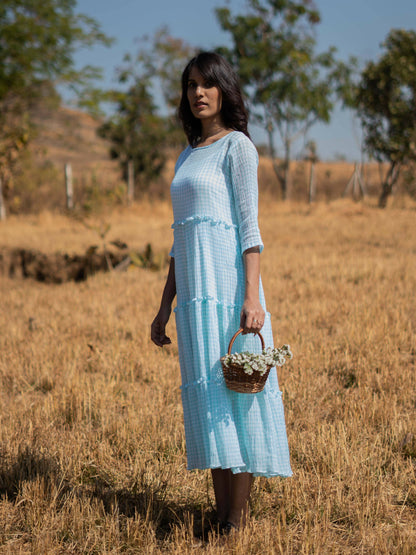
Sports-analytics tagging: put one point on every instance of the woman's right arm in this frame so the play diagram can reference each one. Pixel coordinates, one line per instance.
(159, 323)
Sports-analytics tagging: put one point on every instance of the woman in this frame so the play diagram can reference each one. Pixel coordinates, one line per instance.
(215, 272)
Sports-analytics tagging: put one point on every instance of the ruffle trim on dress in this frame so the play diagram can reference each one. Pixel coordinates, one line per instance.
(207, 299)
(202, 381)
(200, 219)
(260, 473)
(220, 381)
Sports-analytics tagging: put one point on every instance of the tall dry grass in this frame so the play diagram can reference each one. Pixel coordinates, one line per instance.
(92, 451)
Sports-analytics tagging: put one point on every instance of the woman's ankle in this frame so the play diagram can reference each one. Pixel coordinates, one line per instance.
(239, 518)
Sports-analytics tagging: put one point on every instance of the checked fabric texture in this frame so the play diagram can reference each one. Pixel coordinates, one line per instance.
(214, 198)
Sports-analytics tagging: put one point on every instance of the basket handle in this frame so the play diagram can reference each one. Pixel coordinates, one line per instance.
(237, 333)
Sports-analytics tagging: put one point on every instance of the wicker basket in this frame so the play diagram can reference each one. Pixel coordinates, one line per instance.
(235, 377)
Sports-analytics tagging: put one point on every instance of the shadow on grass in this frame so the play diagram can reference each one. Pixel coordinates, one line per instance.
(26, 467)
(143, 499)
(163, 515)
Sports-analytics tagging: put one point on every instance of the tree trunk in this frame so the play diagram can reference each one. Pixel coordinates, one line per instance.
(130, 181)
(388, 183)
(276, 167)
(385, 193)
(2, 206)
(285, 182)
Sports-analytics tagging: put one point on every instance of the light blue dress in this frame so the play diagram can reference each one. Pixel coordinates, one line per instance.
(214, 197)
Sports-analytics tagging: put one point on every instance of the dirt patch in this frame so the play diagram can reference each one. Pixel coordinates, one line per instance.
(60, 267)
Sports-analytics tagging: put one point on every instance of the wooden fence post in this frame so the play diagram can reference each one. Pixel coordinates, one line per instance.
(69, 187)
(312, 186)
(130, 181)
(2, 206)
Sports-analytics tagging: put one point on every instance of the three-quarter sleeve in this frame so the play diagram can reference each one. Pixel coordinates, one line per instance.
(178, 164)
(243, 159)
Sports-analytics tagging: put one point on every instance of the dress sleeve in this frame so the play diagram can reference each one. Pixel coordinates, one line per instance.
(178, 164)
(243, 173)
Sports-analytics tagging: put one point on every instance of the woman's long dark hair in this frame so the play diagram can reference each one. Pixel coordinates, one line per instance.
(216, 70)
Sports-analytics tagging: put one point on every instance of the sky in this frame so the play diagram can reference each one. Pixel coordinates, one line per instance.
(354, 27)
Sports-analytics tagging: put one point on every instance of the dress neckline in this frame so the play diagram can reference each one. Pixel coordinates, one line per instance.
(214, 143)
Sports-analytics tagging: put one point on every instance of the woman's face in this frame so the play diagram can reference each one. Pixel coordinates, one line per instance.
(204, 97)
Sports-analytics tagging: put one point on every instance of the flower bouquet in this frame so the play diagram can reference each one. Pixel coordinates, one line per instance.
(248, 372)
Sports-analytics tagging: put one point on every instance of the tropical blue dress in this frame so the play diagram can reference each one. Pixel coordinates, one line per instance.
(214, 197)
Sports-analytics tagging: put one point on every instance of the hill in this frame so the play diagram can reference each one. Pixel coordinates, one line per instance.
(65, 136)
(70, 136)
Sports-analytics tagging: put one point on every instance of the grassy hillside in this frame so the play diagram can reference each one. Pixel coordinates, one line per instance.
(92, 450)
(69, 136)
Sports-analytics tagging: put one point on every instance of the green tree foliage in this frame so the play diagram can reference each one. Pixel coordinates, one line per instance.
(289, 85)
(38, 40)
(386, 104)
(163, 59)
(136, 133)
(140, 130)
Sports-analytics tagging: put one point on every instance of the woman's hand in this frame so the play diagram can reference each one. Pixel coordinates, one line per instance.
(252, 316)
(157, 330)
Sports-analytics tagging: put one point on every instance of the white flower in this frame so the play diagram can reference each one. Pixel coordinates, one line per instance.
(259, 362)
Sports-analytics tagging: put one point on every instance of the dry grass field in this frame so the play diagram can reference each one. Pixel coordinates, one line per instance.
(92, 451)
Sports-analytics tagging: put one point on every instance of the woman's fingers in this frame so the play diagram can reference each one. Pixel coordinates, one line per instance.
(257, 324)
(157, 334)
(251, 323)
(160, 341)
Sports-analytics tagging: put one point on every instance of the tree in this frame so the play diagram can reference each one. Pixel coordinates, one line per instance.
(138, 130)
(165, 59)
(37, 44)
(289, 86)
(386, 104)
(136, 133)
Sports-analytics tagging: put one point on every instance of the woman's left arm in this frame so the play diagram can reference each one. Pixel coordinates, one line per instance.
(252, 313)
(243, 170)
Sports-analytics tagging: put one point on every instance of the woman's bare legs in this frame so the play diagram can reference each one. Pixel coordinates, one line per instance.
(232, 495)
(222, 488)
(240, 496)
